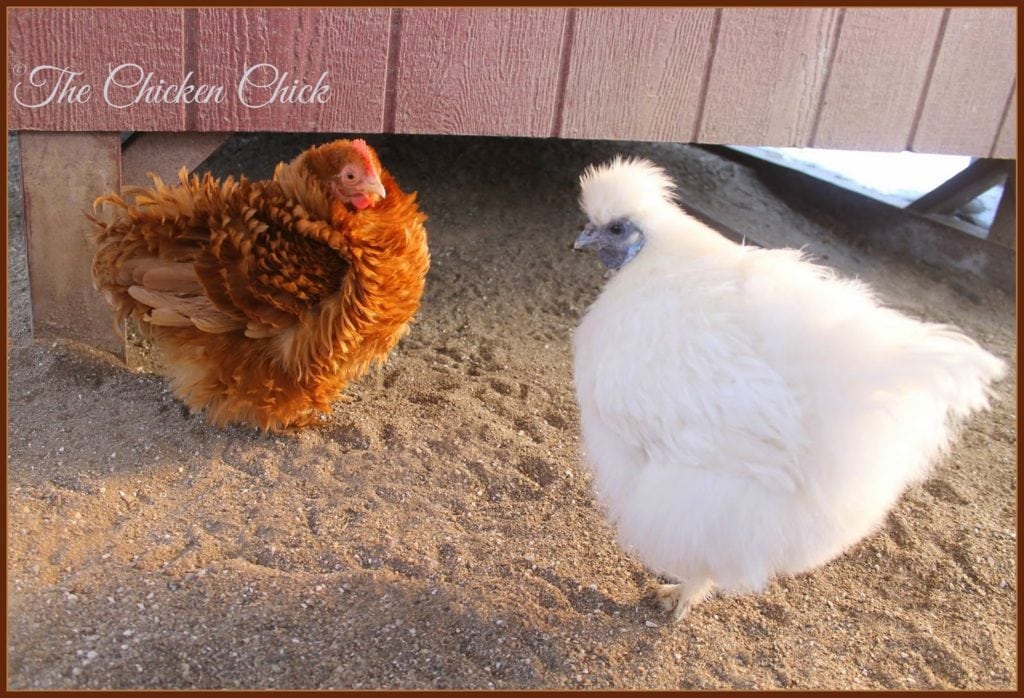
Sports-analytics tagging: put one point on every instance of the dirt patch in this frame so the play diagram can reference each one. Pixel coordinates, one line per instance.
(439, 531)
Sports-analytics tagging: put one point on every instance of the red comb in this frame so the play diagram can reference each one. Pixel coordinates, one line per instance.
(359, 145)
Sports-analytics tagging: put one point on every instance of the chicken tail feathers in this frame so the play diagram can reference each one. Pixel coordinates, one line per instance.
(961, 371)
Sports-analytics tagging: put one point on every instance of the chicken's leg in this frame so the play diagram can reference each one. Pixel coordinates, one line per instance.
(680, 598)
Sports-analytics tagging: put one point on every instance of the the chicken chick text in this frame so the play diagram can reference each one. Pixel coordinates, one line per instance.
(129, 84)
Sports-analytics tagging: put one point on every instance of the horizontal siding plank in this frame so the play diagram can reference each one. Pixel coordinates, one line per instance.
(877, 78)
(637, 73)
(92, 42)
(478, 71)
(767, 76)
(350, 45)
(974, 72)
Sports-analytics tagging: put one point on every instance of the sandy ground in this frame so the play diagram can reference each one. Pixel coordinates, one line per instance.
(439, 530)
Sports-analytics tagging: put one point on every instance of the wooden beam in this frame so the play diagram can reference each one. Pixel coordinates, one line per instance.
(977, 178)
(1004, 225)
(941, 242)
(955, 222)
(164, 154)
(62, 174)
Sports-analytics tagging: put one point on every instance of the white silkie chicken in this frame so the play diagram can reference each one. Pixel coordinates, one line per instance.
(745, 413)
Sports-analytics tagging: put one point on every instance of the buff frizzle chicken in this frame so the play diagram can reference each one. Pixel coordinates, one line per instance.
(265, 298)
(746, 413)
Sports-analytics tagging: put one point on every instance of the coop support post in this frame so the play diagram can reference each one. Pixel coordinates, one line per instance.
(62, 174)
(1004, 226)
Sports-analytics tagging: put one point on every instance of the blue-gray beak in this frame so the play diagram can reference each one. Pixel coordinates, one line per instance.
(586, 238)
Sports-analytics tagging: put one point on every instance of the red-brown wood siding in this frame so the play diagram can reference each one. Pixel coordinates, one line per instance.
(91, 42)
(637, 74)
(485, 71)
(930, 79)
(767, 75)
(975, 70)
(871, 95)
(351, 46)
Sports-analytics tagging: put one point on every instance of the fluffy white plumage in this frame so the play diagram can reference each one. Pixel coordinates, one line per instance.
(745, 412)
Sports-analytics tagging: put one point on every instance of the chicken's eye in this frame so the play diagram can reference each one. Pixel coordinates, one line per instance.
(349, 176)
(616, 229)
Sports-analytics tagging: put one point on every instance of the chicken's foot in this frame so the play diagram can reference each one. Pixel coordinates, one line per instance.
(680, 598)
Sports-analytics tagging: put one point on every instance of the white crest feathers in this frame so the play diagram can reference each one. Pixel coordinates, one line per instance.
(624, 187)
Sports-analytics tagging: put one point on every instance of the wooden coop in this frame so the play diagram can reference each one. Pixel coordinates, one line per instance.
(930, 80)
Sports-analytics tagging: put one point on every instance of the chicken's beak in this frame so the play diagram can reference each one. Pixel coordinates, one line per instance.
(586, 238)
(377, 187)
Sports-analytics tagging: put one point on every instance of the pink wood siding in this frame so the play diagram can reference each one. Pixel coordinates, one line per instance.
(91, 41)
(1006, 142)
(767, 75)
(930, 79)
(351, 45)
(974, 72)
(483, 71)
(635, 74)
(866, 99)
